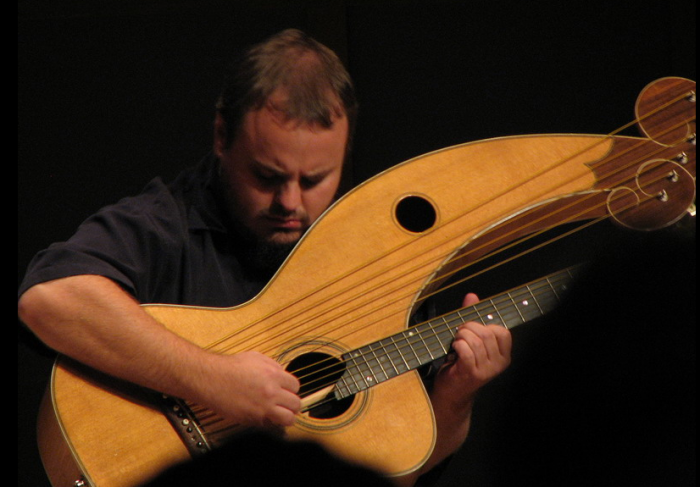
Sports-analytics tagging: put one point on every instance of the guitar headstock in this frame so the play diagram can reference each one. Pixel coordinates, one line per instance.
(651, 181)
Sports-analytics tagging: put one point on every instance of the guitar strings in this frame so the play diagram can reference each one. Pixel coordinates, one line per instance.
(373, 261)
(527, 251)
(203, 414)
(613, 133)
(323, 378)
(287, 319)
(491, 299)
(372, 355)
(464, 255)
(342, 291)
(326, 377)
(546, 243)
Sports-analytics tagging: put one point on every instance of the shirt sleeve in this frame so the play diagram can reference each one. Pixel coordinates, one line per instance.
(134, 243)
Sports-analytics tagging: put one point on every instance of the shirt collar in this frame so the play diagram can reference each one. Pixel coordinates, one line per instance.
(206, 210)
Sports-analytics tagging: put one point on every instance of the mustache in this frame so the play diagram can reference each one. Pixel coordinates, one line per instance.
(276, 211)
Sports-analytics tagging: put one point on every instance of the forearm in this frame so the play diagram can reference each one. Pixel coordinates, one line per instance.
(92, 320)
(453, 422)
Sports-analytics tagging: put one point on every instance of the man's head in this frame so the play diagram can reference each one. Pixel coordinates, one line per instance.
(317, 85)
(282, 134)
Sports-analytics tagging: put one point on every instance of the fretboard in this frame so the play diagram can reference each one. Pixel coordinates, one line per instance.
(379, 361)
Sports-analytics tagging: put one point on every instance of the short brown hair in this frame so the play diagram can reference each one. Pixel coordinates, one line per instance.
(317, 84)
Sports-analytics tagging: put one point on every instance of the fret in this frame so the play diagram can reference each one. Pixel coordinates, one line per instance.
(366, 371)
(447, 333)
(536, 301)
(551, 286)
(524, 305)
(500, 317)
(504, 310)
(515, 305)
(460, 318)
(348, 379)
(356, 374)
(342, 389)
(489, 314)
(378, 368)
(548, 301)
(479, 316)
(416, 359)
(559, 287)
(396, 357)
(431, 338)
(386, 359)
(427, 349)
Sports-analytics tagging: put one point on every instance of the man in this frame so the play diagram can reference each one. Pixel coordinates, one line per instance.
(214, 237)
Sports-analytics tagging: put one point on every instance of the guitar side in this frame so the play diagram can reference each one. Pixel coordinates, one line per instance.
(102, 430)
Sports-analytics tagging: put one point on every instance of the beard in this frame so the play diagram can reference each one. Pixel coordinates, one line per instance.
(266, 257)
(260, 256)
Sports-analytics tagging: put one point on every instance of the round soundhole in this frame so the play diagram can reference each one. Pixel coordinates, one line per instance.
(316, 372)
(415, 214)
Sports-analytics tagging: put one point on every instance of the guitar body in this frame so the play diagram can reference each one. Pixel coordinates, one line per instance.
(353, 279)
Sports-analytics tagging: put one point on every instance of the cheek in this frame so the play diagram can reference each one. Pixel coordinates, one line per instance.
(255, 202)
(319, 200)
(246, 201)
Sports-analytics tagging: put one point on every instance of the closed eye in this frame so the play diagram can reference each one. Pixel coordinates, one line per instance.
(269, 178)
(310, 182)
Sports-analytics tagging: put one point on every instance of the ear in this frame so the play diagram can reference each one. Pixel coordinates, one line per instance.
(219, 135)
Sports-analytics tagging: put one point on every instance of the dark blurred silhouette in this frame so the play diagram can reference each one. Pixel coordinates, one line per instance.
(258, 459)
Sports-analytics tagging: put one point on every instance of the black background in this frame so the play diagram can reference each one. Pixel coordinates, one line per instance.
(113, 93)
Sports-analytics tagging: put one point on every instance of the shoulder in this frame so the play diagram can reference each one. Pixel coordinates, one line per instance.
(165, 207)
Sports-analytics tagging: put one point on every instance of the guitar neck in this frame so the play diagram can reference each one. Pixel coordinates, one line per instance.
(379, 361)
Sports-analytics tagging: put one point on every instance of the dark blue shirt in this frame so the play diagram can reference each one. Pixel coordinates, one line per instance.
(170, 244)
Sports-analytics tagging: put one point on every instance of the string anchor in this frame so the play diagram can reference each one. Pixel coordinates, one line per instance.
(682, 158)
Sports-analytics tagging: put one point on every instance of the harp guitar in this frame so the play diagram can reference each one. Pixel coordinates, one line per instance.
(357, 275)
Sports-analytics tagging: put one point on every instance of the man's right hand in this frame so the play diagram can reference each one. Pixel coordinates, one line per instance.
(252, 389)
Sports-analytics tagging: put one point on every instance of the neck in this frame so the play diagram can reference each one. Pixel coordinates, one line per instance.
(429, 341)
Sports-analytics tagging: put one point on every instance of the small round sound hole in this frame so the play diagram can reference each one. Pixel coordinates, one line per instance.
(415, 214)
(316, 371)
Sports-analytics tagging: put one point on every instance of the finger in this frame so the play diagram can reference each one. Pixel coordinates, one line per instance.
(283, 416)
(470, 347)
(504, 339)
(480, 339)
(470, 299)
(285, 410)
(290, 382)
(291, 402)
(466, 358)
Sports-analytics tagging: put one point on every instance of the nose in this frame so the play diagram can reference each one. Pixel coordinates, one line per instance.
(288, 196)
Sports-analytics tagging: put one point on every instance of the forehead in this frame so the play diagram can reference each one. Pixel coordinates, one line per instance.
(272, 140)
